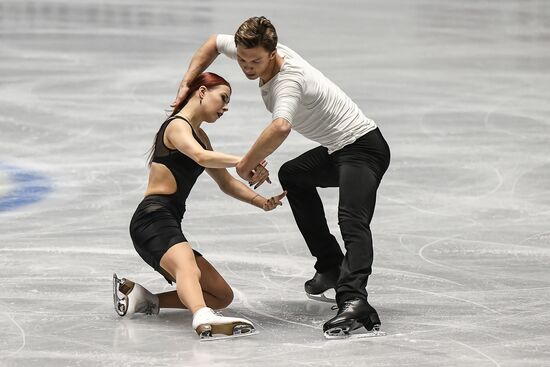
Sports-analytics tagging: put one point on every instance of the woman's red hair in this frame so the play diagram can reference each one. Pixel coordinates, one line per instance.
(207, 79)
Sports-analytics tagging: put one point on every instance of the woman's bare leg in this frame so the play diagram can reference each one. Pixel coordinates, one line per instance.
(216, 292)
(179, 261)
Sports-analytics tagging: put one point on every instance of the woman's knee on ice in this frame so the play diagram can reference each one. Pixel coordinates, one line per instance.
(222, 291)
(225, 297)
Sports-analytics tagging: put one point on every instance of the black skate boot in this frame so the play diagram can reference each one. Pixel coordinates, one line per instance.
(352, 314)
(320, 283)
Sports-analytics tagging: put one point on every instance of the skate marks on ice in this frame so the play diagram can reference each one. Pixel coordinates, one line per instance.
(291, 274)
(6, 353)
(321, 312)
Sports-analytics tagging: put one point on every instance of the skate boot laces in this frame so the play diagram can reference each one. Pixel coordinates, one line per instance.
(347, 304)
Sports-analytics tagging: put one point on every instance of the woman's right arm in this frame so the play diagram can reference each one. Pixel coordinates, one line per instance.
(202, 58)
(180, 135)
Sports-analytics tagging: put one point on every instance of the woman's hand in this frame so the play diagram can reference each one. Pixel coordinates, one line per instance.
(273, 202)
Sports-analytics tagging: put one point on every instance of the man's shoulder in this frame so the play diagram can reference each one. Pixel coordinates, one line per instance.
(288, 77)
(292, 68)
(225, 44)
(295, 62)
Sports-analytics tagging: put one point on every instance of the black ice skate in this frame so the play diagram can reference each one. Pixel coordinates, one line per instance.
(322, 286)
(353, 314)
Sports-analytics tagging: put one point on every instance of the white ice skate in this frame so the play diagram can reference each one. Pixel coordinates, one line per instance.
(212, 325)
(130, 298)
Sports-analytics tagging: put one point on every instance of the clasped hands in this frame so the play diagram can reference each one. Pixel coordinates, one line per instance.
(257, 176)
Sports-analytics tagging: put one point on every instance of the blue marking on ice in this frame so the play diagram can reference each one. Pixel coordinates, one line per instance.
(29, 187)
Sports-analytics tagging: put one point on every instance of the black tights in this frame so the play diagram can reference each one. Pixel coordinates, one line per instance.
(357, 170)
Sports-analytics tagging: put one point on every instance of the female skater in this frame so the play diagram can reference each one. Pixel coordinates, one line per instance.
(180, 153)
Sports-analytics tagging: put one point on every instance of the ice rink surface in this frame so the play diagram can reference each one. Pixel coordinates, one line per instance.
(460, 90)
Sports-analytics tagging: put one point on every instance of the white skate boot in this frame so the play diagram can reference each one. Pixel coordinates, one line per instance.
(130, 298)
(212, 325)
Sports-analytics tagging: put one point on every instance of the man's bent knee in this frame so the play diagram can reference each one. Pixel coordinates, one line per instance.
(285, 173)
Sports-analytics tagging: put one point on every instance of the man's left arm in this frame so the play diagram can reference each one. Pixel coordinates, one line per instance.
(269, 140)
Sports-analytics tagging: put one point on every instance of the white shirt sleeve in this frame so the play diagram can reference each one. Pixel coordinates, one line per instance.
(287, 95)
(225, 44)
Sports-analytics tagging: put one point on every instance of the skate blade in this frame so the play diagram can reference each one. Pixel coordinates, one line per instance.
(206, 337)
(327, 296)
(339, 333)
(120, 300)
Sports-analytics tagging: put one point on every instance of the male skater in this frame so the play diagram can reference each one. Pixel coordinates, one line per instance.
(352, 155)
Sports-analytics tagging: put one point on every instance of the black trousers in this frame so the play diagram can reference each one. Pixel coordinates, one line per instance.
(357, 170)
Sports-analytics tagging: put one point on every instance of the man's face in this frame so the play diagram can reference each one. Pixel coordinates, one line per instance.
(254, 61)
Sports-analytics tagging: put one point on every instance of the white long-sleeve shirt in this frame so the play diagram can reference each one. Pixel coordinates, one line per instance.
(314, 106)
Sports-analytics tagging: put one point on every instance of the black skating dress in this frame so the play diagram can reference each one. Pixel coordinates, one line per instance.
(156, 223)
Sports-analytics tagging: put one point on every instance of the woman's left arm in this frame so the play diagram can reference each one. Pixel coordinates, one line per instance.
(235, 188)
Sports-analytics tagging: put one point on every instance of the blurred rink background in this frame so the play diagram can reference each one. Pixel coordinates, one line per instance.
(462, 227)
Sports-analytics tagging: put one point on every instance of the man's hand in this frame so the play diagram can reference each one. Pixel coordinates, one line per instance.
(182, 94)
(257, 176)
(260, 175)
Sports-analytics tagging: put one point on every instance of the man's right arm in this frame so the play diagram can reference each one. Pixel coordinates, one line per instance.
(203, 57)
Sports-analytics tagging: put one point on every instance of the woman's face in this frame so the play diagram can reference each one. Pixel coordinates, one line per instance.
(215, 102)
